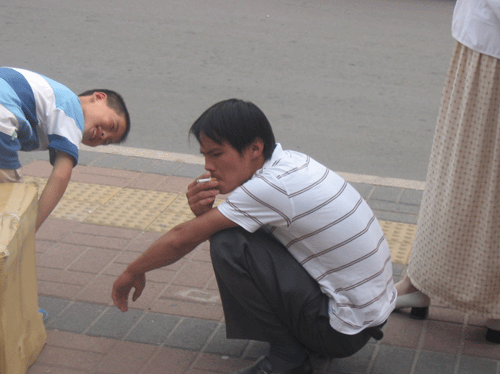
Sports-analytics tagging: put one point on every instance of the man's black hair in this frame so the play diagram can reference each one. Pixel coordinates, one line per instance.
(115, 102)
(237, 122)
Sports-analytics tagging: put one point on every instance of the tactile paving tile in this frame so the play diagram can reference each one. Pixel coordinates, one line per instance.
(180, 205)
(87, 192)
(131, 208)
(400, 238)
(168, 220)
(122, 216)
(153, 200)
(74, 210)
(178, 211)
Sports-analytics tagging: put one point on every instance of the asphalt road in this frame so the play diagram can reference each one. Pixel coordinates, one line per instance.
(355, 84)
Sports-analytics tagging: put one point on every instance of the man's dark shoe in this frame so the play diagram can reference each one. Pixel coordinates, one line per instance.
(263, 366)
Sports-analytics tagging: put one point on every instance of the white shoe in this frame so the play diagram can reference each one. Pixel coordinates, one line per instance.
(417, 301)
(413, 300)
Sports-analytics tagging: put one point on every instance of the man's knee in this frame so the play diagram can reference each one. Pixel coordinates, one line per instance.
(224, 245)
(240, 250)
(224, 239)
(235, 242)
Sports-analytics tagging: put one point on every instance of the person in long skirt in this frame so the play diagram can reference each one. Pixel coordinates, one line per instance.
(455, 258)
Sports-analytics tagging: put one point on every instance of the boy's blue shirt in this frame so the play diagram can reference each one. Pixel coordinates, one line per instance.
(37, 113)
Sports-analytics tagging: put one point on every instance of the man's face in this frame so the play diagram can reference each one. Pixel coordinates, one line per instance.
(226, 164)
(103, 125)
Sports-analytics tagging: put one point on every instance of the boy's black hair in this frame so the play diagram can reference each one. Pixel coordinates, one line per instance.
(238, 123)
(115, 101)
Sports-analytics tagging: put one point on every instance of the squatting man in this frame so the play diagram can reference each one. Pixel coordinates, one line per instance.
(300, 259)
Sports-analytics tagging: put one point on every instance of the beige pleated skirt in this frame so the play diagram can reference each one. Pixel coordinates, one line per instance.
(455, 257)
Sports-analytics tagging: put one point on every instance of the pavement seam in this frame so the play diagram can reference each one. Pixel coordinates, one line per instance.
(95, 275)
(105, 310)
(373, 358)
(372, 191)
(458, 355)
(134, 325)
(418, 349)
(398, 199)
(201, 352)
(176, 327)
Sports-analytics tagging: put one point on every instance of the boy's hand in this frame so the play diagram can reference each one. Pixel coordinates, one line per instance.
(122, 286)
(201, 196)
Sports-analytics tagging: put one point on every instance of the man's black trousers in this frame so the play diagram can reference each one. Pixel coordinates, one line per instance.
(268, 296)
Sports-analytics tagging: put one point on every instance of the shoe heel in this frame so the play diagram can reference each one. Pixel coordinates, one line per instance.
(419, 313)
(493, 336)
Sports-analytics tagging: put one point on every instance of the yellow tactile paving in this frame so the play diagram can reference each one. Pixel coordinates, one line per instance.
(156, 211)
(400, 238)
(129, 208)
(93, 193)
(179, 205)
(150, 200)
(168, 219)
(74, 210)
(122, 216)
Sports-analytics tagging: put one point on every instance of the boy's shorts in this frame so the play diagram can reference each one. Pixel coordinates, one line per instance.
(10, 176)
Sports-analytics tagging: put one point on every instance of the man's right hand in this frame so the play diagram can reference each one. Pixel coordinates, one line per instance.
(122, 287)
(201, 196)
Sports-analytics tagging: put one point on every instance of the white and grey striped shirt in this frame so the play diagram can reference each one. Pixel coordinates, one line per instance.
(328, 227)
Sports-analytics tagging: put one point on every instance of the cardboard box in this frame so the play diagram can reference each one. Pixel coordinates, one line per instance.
(22, 332)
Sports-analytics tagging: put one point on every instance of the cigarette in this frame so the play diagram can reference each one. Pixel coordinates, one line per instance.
(203, 180)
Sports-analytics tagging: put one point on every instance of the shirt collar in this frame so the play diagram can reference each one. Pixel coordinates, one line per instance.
(277, 152)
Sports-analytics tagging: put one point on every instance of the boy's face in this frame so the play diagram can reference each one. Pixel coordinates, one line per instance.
(227, 165)
(103, 125)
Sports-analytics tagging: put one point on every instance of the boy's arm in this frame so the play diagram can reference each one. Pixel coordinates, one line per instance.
(55, 187)
(171, 247)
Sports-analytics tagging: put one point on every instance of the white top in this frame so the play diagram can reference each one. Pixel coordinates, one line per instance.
(328, 227)
(476, 24)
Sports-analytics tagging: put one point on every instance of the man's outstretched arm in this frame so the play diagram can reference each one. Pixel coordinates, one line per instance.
(171, 247)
